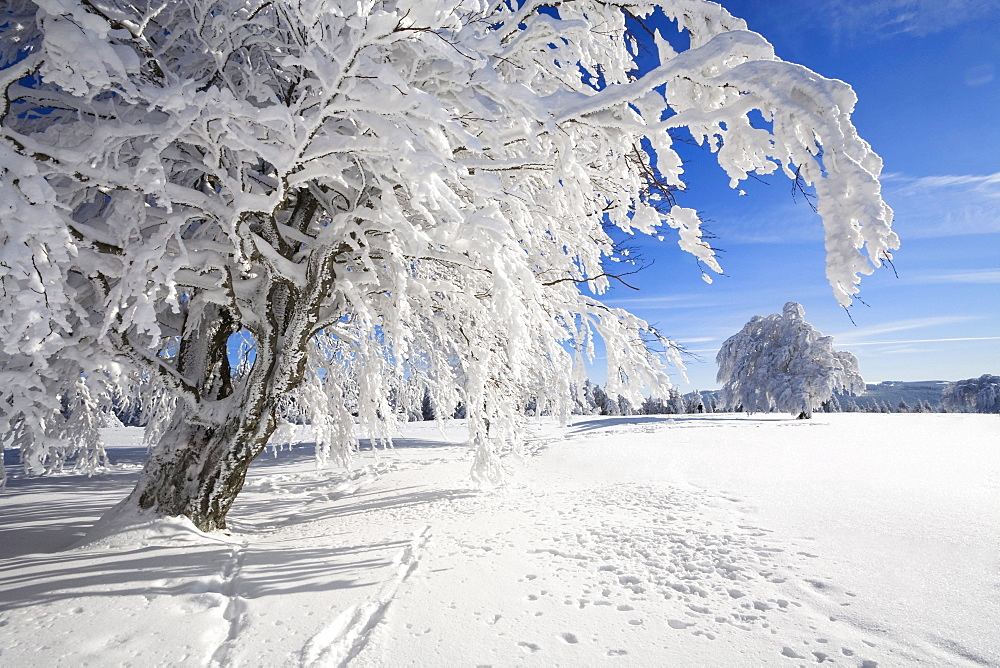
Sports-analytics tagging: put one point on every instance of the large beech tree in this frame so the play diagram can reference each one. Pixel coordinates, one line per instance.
(368, 199)
(779, 362)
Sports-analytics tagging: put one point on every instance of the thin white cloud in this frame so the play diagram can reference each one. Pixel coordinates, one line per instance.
(860, 336)
(980, 75)
(663, 301)
(985, 276)
(852, 19)
(911, 341)
(697, 339)
(944, 205)
(984, 182)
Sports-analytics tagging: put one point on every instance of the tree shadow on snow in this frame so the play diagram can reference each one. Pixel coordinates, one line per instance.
(305, 451)
(192, 564)
(166, 570)
(49, 513)
(683, 420)
(263, 513)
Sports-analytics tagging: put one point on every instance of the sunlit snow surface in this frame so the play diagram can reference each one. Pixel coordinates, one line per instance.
(710, 540)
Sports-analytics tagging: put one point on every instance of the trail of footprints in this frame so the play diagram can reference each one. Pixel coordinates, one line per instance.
(235, 611)
(653, 545)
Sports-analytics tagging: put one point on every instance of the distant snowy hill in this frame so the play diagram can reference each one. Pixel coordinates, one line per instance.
(891, 391)
(894, 391)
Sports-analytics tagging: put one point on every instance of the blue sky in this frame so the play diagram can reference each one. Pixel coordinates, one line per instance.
(927, 75)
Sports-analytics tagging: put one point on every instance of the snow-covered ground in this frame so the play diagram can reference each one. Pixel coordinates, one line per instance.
(851, 539)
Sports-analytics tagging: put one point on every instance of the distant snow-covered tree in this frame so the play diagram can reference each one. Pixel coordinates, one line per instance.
(780, 362)
(973, 395)
(653, 406)
(365, 195)
(583, 398)
(832, 405)
(695, 403)
(427, 411)
(675, 402)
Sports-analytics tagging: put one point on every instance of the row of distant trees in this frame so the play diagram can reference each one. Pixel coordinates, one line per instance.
(973, 395)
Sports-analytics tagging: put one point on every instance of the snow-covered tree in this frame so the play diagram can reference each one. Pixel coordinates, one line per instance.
(973, 395)
(583, 398)
(361, 195)
(675, 402)
(695, 403)
(653, 406)
(780, 362)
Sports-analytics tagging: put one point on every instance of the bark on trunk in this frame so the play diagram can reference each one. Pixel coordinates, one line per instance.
(199, 466)
(197, 470)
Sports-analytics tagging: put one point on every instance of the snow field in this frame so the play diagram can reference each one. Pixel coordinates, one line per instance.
(852, 539)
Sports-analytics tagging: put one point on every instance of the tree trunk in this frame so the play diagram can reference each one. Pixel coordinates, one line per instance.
(197, 470)
(199, 466)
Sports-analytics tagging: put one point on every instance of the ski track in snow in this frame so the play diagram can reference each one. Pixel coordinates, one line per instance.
(342, 640)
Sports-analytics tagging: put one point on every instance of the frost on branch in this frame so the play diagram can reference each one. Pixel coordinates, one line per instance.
(780, 362)
(379, 199)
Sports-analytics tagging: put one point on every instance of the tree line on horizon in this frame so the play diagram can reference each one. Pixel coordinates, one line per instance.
(972, 395)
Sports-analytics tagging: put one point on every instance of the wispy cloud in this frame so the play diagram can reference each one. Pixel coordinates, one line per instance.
(855, 18)
(984, 276)
(944, 205)
(941, 340)
(980, 75)
(663, 301)
(863, 336)
(697, 339)
(988, 184)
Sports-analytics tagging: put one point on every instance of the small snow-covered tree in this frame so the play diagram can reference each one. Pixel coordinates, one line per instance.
(973, 395)
(653, 406)
(366, 194)
(832, 405)
(583, 398)
(780, 362)
(675, 402)
(695, 403)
